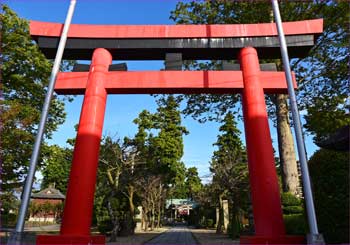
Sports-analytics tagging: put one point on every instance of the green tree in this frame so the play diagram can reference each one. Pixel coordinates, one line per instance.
(329, 172)
(139, 170)
(24, 76)
(56, 167)
(324, 118)
(193, 182)
(111, 206)
(323, 72)
(207, 200)
(230, 169)
(168, 144)
(159, 148)
(322, 75)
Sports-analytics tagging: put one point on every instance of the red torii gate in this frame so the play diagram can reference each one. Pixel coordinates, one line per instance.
(98, 82)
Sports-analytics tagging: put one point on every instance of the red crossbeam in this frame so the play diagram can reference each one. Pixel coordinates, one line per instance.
(38, 28)
(182, 82)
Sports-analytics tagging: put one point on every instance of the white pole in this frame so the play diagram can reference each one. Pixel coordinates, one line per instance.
(314, 237)
(16, 236)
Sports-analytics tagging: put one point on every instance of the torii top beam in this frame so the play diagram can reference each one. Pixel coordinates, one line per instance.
(195, 42)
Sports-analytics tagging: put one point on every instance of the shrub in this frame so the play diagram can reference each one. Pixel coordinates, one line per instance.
(210, 223)
(105, 226)
(291, 204)
(296, 224)
(234, 227)
(293, 210)
(329, 172)
(8, 220)
(293, 214)
(288, 199)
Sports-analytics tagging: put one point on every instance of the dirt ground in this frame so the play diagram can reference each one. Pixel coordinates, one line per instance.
(202, 236)
(138, 238)
(205, 236)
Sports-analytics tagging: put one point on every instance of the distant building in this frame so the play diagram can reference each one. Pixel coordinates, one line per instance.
(46, 205)
(180, 207)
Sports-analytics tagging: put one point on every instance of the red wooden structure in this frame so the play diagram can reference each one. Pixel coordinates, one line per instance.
(48, 195)
(98, 82)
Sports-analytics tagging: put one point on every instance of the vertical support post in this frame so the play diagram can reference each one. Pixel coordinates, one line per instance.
(266, 201)
(265, 194)
(77, 215)
(80, 195)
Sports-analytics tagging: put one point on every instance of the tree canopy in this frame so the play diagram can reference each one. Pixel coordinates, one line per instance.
(193, 183)
(230, 169)
(25, 72)
(56, 167)
(322, 76)
(140, 170)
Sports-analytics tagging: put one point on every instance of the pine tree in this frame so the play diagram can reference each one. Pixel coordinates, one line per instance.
(229, 168)
(193, 182)
(168, 145)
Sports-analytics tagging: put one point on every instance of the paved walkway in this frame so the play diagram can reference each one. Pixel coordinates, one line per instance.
(175, 235)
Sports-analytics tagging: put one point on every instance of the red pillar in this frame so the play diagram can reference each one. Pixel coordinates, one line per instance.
(75, 228)
(268, 219)
(267, 210)
(265, 195)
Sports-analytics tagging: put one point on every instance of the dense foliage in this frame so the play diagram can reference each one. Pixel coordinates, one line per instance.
(140, 170)
(168, 144)
(329, 172)
(24, 76)
(230, 172)
(193, 183)
(56, 167)
(294, 214)
(322, 75)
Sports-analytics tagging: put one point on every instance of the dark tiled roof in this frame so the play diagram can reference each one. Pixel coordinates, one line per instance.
(48, 193)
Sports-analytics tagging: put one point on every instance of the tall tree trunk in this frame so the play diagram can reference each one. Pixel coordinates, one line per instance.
(159, 217)
(131, 191)
(159, 205)
(142, 218)
(219, 228)
(114, 219)
(152, 217)
(288, 164)
(235, 221)
(146, 219)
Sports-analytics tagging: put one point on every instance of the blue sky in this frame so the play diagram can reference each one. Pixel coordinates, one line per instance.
(122, 109)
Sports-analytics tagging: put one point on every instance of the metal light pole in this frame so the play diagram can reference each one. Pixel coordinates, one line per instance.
(16, 236)
(315, 237)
